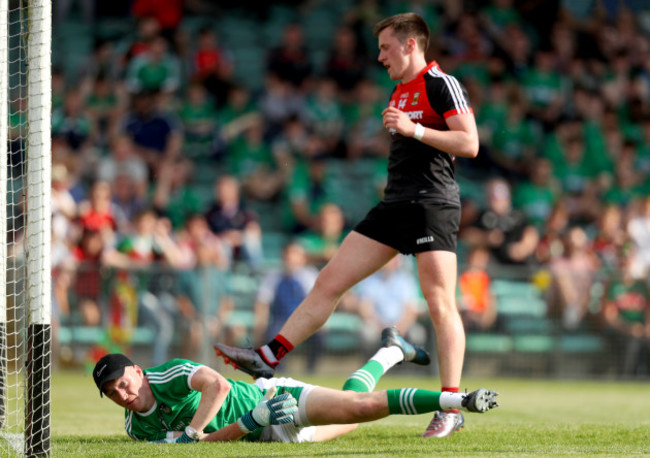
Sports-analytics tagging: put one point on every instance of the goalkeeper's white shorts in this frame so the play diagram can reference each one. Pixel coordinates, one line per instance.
(301, 429)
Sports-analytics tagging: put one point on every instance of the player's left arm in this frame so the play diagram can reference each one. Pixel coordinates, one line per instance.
(214, 388)
(460, 140)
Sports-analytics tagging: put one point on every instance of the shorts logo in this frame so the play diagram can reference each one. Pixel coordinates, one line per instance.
(422, 240)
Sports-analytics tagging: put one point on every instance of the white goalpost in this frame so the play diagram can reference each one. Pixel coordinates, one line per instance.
(25, 225)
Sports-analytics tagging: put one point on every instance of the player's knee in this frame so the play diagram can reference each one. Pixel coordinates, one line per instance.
(328, 286)
(364, 407)
(441, 307)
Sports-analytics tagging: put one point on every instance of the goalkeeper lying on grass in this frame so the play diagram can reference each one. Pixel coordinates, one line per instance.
(183, 402)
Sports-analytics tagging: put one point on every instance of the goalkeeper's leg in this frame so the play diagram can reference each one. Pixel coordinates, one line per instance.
(364, 379)
(395, 349)
(327, 406)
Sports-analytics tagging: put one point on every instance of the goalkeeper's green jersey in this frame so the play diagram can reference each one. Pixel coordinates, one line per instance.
(176, 403)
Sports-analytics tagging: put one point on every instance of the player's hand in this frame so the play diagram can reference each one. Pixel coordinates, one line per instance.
(272, 410)
(397, 121)
(184, 439)
(163, 441)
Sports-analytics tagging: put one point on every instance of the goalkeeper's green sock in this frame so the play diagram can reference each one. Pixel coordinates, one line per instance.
(365, 379)
(413, 401)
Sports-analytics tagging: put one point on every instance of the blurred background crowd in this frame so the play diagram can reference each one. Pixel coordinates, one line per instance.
(208, 158)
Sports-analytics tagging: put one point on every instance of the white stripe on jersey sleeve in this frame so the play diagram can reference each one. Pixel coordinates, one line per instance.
(454, 89)
(172, 372)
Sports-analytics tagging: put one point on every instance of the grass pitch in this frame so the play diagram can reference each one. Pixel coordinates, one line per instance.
(536, 417)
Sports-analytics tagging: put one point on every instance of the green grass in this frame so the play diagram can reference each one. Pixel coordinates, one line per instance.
(536, 417)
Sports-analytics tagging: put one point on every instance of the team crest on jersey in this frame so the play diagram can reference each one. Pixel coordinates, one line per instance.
(416, 98)
(164, 408)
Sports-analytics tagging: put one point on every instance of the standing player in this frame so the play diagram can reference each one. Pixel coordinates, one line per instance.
(431, 121)
(182, 401)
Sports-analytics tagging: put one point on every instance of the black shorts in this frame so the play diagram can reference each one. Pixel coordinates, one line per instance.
(413, 226)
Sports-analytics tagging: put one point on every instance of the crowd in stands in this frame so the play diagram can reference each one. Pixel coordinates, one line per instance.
(166, 151)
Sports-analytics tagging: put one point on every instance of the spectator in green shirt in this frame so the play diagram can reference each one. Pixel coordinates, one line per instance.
(537, 196)
(154, 70)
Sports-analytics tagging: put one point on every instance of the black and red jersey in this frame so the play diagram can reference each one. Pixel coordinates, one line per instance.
(416, 170)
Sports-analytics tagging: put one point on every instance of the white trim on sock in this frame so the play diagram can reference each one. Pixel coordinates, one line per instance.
(406, 401)
(365, 378)
(388, 357)
(268, 354)
(451, 400)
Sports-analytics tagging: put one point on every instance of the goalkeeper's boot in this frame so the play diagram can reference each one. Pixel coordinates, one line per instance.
(412, 353)
(480, 400)
(444, 423)
(246, 360)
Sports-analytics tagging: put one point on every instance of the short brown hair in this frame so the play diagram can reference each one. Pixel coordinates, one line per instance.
(406, 25)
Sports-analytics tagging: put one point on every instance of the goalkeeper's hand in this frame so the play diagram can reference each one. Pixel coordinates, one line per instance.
(272, 410)
(184, 439)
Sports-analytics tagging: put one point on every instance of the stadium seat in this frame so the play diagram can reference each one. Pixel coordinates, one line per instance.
(241, 318)
(525, 324)
(581, 343)
(250, 65)
(488, 343)
(92, 335)
(272, 243)
(515, 288)
(521, 306)
(343, 332)
(533, 344)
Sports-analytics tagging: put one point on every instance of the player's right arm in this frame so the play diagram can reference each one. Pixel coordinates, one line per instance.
(214, 388)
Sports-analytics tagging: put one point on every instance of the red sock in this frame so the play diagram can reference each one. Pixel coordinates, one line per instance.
(453, 389)
(275, 350)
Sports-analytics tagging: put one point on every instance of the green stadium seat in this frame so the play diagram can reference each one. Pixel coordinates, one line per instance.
(488, 343)
(515, 288)
(269, 214)
(521, 306)
(64, 335)
(238, 32)
(343, 332)
(517, 324)
(533, 344)
(91, 335)
(243, 318)
(113, 29)
(272, 243)
(471, 190)
(243, 290)
(250, 65)
(352, 178)
(581, 343)
(143, 336)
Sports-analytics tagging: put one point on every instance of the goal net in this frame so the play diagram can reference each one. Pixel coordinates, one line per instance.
(25, 222)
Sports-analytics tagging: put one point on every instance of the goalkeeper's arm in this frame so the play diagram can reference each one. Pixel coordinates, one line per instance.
(214, 388)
